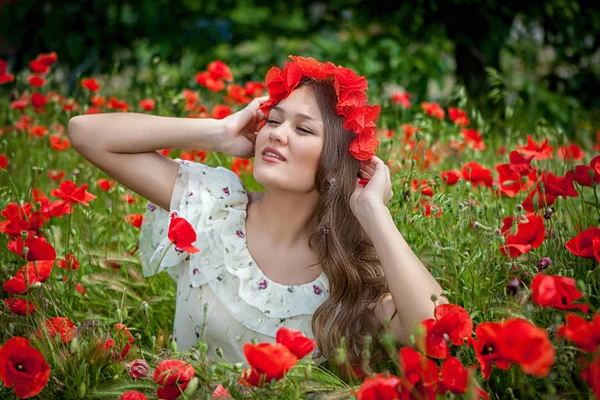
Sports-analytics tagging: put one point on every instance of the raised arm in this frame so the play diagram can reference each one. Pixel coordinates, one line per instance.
(124, 145)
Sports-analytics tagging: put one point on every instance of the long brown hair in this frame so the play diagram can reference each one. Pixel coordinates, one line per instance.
(356, 279)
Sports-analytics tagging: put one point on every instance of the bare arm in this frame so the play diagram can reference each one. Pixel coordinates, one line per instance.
(124, 145)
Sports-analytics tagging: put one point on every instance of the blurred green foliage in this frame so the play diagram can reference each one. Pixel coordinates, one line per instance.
(547, 50)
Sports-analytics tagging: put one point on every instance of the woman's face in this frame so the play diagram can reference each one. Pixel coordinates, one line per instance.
(294, 129)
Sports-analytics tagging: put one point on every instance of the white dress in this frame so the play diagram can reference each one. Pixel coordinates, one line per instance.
(242, 303)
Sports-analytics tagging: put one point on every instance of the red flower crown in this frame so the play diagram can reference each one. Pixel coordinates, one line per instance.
(349, 88)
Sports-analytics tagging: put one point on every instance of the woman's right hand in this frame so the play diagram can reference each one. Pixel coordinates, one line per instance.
(240, 129)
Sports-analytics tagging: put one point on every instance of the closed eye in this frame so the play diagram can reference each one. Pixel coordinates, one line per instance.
(271, 121)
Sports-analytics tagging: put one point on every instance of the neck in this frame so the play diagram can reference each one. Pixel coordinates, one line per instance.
(282, 216)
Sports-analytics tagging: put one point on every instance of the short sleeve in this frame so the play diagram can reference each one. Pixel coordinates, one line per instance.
(195, 195)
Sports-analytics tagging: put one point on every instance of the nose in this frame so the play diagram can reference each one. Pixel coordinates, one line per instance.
(279, 133)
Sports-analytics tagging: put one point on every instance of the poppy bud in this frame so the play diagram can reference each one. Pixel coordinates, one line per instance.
(11, 327)
(192, 386)
(580, 285)
(219, 352)
(24, 235)
(194, 355)
(544, 263)
(497, 232)
(124, 313)
(519, 208)
(82, 390)
(73, 345)
(145, 306)
(340, 356)
(548, 213)
(433, 298)
(118, 313)
(308, 372)
(203, 347)
(173, 345)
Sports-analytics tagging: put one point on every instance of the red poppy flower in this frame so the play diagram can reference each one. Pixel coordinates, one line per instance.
(486, 347)
(106, 184)
(364, 146)
(48, 59)
(379, 387)
(69, 191)
(254, 89)
(134, 220)
(182, 234)
(20, 306)
(98, 101)
(62, 326)
(528, 346)
(585, 334)
(219, 70)
(173, 376)
(572, 152)
(458, 116)
(359, 118)
(455, 377)
(420, 375)
(23, 367)
(133, 395)
(194, 155)
(39, 249)
(147, 104)
(4, 76)
(530, 235)
(426, 190)
(451, 320)
(241, 166)
(401, 98)
(586, 243)
(36, 81)
(205, 79)
(450, 177)
(31, 273)
(433, 110)
(57, 208)
(38, 100)
(476, 174)
(295, 341)
(584, 175)
(123, 341)
(236, 94)
(220, 392)
(221, 111)
(591, 375)
(139, 369)
(3, 161)
(119, 105)
(56, 174)
(556, 291)
(91, 84)
(473, 139)
(38, 68)
(541, 151)
(553, 187)
(272, 360)
(59, 143)
(70, 262)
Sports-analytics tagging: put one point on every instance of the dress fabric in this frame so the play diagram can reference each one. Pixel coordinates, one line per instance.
(241, 302)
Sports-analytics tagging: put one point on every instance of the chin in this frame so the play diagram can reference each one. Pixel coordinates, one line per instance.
(277, 180)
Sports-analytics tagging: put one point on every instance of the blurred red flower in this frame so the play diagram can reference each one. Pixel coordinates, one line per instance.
(530, 235)
(31, 273)
(556, 291)
(585, 334)
(476, 174)
(459, 117)
(106, 184)
(267, 361)
(119, 105)
(451, 320)
(221, 111)
(70, 262)
(62, 326)
(4, 76)
(433, 110)
(173, 376)
(450, 177)
(147, 104)
(241, 166)
(23, 367)
(571, 152)
(401, 98)
(295, 341)
(69, 191)
(59, 143)
(586, 244)
(36, 81)
(133, 395)
(219, 70)
(541, 151)
(91, 84)
(591, 374)
(379, 387)
(134, 219)
(39, 248)
(420, 375)
(473, 139)
(20, 306)
(38, 100)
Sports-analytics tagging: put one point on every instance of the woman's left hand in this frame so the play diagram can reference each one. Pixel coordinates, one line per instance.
(376, 192)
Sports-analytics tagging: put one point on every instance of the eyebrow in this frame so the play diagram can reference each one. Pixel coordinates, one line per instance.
(298, 115)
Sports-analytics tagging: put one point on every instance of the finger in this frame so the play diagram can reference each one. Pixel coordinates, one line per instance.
(256, 103)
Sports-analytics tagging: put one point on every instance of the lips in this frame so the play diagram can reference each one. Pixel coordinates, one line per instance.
(272, 150)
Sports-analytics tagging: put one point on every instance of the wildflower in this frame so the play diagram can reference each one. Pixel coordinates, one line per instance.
(458, 116)
(62, 326)
(147, 104)
(586, 244)
(530, 235)
(541, 151)
(4, 76)
(571, 152)
(267, 361)
(133, 395)
(401, 98)
(544, 263)
(38, 248)
(90, 84)
(556, 291)
(20, 306)
(379, 387)
(173, 376)
(70, 262)
(221, 111)
(139, 369)
(28, 275)
(23, 367)
(241, 166)
(134, 220)
(295, 341)
(69, 192)
(451, 320)
(433, 110)
(476, 174)
(584, 334)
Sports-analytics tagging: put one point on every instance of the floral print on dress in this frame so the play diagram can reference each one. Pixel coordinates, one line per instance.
(240, 234)
(317, 289)
(262, 284)
(151, 207)
(196, 271)
(226, 191)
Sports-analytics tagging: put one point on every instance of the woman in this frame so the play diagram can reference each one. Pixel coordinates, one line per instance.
(317, 251)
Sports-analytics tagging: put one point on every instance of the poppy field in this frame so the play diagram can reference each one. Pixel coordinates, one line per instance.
(506, 219)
